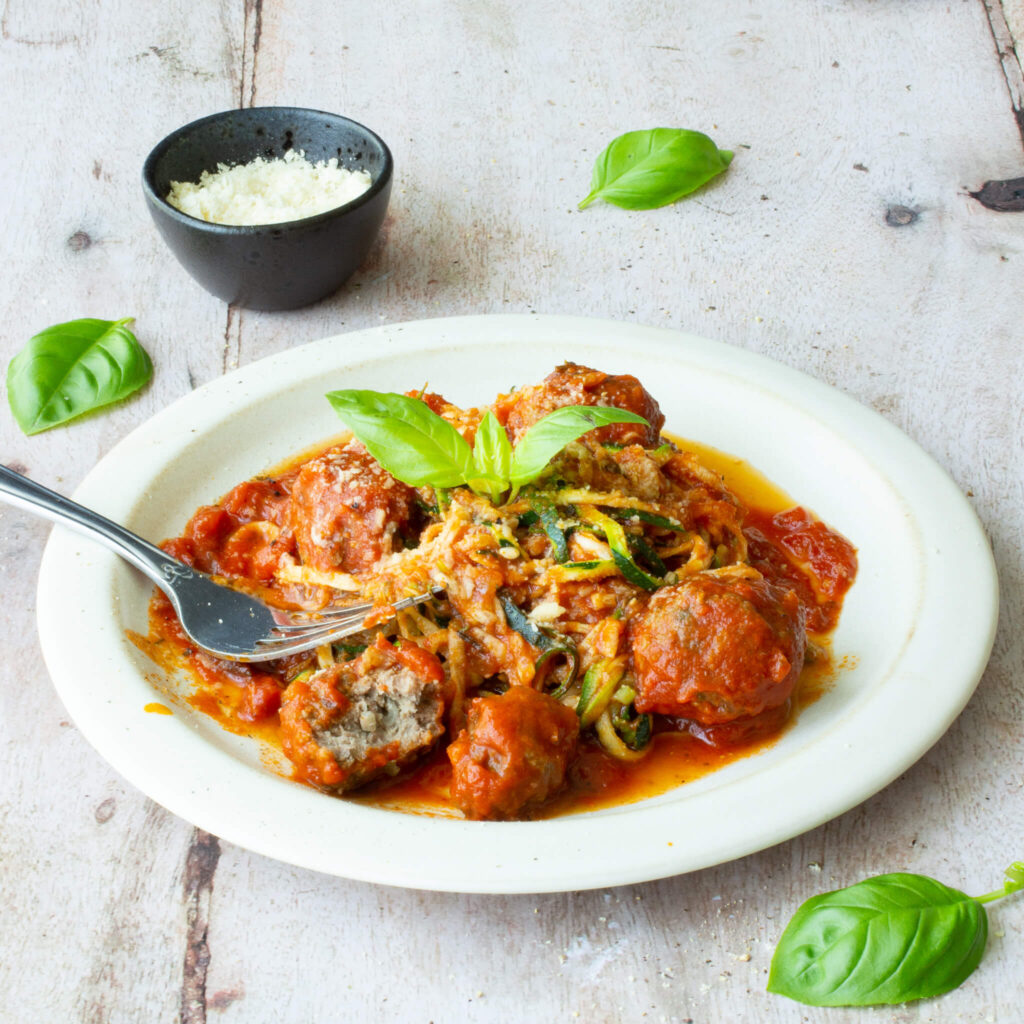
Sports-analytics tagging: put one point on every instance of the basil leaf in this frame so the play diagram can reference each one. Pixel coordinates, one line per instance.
(492, 455)
(548, 436)
(406, 437)
(1014, 878)
(1013, 881)
(73, 368)
(492, 452)
(887, 939)
(645, 169)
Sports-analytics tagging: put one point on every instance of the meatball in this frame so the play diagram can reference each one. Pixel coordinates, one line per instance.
(571, 384)
(513, 753)
(242, 536)
(347, 511)
(346, 724)
(714, 650)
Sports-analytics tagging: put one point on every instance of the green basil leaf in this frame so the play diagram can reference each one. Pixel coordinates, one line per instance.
(548, 436)
(492, 454)
(645, 169)
(73, 368)
(406, 437)
(1014, 877)
(1013, 881)
(887, 939)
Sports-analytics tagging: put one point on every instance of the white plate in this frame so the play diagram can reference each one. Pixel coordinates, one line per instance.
(918, 624)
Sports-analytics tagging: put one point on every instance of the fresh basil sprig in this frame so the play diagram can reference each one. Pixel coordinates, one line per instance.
(406, 437)
(888, 939)
(73, 368)
(492, 456)
(646, 169)
(548, 436)
(418, 447)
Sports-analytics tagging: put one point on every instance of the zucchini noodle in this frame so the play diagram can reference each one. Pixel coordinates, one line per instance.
(290, 572)
(612, 742)
(591, 537)
(456, 673)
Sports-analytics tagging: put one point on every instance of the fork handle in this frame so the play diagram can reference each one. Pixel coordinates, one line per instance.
(19, 490)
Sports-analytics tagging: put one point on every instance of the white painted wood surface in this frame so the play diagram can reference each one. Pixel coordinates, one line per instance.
(842, 241)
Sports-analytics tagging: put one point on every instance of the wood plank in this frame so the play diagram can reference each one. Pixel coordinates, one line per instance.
(867, 265)
(1007, 24)
(90, 870)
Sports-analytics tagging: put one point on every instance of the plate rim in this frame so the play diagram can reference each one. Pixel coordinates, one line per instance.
(275, 374)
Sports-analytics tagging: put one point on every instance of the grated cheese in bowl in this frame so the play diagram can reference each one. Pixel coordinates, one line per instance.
(268, 191)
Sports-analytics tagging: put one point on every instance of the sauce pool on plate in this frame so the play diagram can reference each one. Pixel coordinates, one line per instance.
(643, 613)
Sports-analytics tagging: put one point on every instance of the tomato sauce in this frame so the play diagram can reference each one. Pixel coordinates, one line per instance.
(679, 753)
(787, 544)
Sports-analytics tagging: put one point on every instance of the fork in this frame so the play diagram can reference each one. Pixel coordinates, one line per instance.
(223, 622)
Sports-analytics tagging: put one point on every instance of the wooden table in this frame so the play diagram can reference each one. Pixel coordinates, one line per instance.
(843, 241)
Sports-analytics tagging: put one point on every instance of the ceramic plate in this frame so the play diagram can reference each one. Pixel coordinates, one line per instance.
(917, 626)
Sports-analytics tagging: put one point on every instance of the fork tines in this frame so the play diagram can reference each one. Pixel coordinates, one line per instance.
(334, 623)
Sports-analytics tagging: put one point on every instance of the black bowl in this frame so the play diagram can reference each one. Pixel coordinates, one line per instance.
(271, 266)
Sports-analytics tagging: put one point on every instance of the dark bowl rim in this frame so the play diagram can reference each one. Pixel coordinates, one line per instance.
(243, 230)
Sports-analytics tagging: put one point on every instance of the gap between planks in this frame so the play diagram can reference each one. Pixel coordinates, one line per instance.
(1008, 59)
(252, 29)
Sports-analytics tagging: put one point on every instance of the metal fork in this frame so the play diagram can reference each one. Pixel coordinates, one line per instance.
(224, 622)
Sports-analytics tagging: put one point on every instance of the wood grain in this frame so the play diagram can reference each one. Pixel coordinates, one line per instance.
(842, 241)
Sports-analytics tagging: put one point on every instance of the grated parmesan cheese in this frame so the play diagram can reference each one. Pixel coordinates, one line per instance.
(546, 611)
(268, 191)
